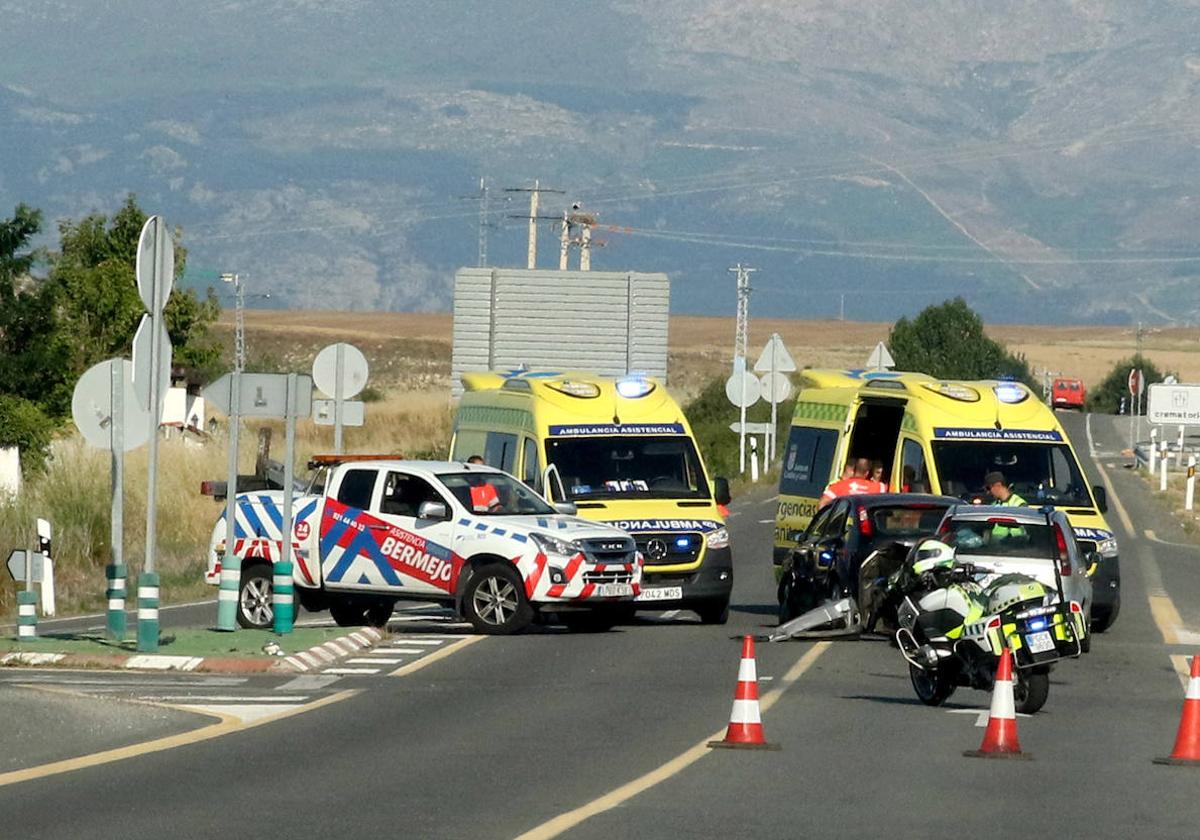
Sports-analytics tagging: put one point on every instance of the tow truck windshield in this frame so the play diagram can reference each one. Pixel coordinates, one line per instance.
(649, 467)
(1040, 473)
(505, 495)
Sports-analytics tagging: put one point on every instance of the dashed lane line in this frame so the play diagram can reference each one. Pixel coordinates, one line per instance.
(622, 794)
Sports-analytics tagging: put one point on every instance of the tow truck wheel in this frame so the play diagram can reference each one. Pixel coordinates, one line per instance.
(495, 602)
(254, 597)
(348, 612)
(378, 613)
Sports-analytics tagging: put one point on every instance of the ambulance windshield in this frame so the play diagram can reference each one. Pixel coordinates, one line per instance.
(1040, 473)
(612, 467)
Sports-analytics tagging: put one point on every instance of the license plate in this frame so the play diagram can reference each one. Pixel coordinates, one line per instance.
(613, 590)
(661, 593)
(1040, 642)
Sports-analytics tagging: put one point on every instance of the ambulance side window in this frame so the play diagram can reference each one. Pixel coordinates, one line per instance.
(356, 488)
(807, 461)
(913, 478)
(500, 450)
(531, 471)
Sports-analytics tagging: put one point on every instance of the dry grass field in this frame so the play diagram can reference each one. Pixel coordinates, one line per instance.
(409, 356)
(410, 351)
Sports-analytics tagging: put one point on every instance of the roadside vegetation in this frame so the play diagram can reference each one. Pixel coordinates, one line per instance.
(1113, 390)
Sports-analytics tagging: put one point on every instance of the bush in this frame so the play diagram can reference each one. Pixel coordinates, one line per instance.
(1106, 397)
(23, 425)
(710, 414)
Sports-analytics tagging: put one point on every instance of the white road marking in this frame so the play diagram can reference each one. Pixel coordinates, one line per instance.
(981, 715)
(243, 712)
(155, 662)
(374, 660)
(1150, 535)
(225, 698)
(766, 521)
(307, 682)
(670, 614)
(423, 640)
(402, 650)
(351, 670)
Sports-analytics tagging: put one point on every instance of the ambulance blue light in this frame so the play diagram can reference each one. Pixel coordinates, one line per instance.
(1010, 392)
(682, 542)
(632, 387)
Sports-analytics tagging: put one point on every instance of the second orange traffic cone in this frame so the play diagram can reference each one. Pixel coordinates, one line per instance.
(1000, 739)
(1187, 740)
(745, 720)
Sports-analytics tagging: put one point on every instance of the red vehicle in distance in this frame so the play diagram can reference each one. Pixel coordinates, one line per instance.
(1068, 393)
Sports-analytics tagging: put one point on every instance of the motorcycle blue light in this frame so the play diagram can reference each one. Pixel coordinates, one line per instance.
(1037, 624)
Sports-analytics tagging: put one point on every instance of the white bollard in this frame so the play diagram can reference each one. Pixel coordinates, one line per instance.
(1179, 454)
(1153, 450)
(1162, 469)
(1190, 494)
(753, 458)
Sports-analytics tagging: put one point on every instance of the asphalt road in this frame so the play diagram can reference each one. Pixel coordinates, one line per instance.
(506, 735)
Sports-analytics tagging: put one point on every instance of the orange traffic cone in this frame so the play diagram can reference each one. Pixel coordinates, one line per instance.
(1187, 742)
(745, 721)
(1000, 739)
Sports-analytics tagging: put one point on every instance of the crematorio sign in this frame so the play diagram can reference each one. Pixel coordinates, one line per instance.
(1174, 405)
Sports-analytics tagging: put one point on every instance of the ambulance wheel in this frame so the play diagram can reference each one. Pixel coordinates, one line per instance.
(713, 612)
(1104, 617)
(933, 688)
(494, 601)
(254, 610)
(1030, 690)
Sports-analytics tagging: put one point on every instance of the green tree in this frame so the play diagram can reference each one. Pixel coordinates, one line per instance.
(23, 425)
(1106, 397)
(948, 342)
(93, 279)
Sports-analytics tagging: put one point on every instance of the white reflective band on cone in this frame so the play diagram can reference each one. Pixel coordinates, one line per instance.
(147, 591)
(147, 614)
(116, 604)
(1002, 701)
(1193, 692)
(747, 671)
(745, 711)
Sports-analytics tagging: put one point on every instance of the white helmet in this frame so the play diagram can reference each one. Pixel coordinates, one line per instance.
(932, 554)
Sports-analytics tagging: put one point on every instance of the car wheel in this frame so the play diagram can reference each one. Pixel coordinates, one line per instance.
(713, 612)
(254, 597)
(932, 687)
(1103, 617)
(495, 602)
(1030, 691)
(348, 612)
(378, 613)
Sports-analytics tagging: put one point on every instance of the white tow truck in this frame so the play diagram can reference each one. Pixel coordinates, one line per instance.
(368, 533)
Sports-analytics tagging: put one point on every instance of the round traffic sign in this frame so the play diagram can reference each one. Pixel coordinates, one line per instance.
(92, 407)
(776, 387)
(155, 264)
(743, 389)
(1135, 382)
(344, 361)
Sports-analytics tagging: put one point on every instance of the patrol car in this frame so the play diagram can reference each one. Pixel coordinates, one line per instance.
(372, 532)
(939, 436)
(622, 451)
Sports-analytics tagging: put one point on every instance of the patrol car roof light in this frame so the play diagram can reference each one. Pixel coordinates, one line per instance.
(632, 387)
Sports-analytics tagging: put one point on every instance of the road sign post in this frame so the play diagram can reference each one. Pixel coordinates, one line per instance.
(155, 279)
(340, 370)
(775, 362)
(742, 389)
(231, 563)
(1153, 462)
(1135, 390)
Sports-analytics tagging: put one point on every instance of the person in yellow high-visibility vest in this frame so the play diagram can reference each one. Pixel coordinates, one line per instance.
(1003, 496)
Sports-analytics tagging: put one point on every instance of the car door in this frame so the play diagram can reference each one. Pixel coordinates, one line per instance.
(416, 547)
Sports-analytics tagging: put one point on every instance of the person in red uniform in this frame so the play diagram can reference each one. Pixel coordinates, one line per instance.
(857, 484)
(483, 495)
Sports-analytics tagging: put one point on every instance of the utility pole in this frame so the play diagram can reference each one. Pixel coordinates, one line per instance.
(741, 334)
(534, 197)
(842, 308)
(564, 243)
(483, 222)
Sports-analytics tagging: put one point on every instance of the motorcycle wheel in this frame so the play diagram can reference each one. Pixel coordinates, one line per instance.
(1030, 691)
(933, 688)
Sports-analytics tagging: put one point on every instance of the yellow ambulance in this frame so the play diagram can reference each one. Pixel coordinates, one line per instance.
(620, 451)
(937, 436)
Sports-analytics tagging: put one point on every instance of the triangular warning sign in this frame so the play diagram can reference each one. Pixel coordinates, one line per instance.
(880, 358)
(782, 362)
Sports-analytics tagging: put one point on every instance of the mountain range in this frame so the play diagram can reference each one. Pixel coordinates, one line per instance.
(1037, 157)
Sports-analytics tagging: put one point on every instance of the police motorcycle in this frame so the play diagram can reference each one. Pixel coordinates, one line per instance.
(953, 620)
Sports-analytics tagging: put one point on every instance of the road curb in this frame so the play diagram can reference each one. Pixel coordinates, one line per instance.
(329, 652)
(312, 659)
